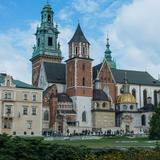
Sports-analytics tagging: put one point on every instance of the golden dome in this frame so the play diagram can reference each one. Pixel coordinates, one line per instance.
(126, 98)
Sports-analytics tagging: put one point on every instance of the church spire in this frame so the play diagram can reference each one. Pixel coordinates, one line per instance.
(79, 45)
(108, 51)
(108, 55)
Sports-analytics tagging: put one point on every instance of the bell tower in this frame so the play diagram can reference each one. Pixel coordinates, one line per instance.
(79, 77)
(47, 48)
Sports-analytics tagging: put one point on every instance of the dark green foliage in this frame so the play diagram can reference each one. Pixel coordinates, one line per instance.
(16, 148)
(154, 132)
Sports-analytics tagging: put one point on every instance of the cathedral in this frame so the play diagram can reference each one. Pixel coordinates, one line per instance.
(78, 96)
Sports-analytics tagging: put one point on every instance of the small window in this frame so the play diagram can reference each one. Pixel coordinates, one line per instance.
(134, 93)
(76, 48)
(49, 18)
(25, 133)
(84, 118)
(34, 111)
(25, 110)
(46, 116)
(7, 95)
(83, 50)
(131, 107)
(124, 107)
(83, 81)
(143, 120)
(34, 97)
(25, 97)
(29, 124)
(104, 105)
(8, 109)
(50, 41)
(32, 133)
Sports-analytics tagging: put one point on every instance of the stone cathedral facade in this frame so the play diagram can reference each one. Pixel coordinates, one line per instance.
(78, 95)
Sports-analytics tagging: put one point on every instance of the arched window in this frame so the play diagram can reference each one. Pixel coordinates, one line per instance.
(144, 97)
(83, 81)
(84, 117)
(134, 93)
(46, 116)
(143, 120)
(104, 105)
(49, 18)
(155, 98)
(76, 48)
(83, 50)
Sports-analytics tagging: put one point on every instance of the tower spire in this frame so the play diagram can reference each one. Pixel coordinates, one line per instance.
(108, 56)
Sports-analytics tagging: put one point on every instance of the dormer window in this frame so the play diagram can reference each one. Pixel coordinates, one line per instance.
(8, 83)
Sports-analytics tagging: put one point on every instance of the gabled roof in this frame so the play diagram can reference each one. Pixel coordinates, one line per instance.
(78, 36)
(134, 77)
(17, 83)
(55, 72)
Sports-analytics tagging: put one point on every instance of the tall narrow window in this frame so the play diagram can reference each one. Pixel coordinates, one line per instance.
(143, 120)
(50, 41)
(83, 50)
(38, 42)
(155, 98)
(134, 93)
(25, 97)
(46, 116)
(83, 81)
(144, 97)
(49, 18)
(76, 50)
(84, 118)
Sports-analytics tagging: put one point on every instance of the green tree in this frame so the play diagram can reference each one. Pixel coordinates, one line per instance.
(154, 131)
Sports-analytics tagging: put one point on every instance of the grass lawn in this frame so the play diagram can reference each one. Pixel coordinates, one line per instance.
(110, 142)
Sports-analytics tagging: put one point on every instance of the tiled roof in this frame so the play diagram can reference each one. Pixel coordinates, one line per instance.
(78, 36)
(17, 83)
(55, 72)
(62, 97)
(100, 95)
(134, 77)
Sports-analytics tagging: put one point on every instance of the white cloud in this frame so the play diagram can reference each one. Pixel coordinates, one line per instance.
(135, 36)
(66, 34)
(86, 6)
(15, 52)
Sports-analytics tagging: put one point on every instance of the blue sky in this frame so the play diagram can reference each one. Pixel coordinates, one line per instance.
(133, 27)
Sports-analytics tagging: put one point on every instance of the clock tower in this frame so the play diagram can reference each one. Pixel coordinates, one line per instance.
(47, 48)
(79, 77)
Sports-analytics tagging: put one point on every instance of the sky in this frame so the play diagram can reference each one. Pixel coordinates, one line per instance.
(133, 27)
